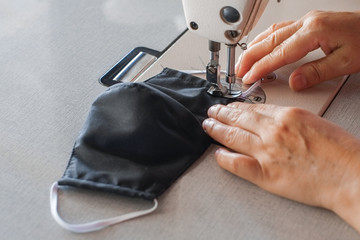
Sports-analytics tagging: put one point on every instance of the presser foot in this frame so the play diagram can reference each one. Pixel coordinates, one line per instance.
(240, 92)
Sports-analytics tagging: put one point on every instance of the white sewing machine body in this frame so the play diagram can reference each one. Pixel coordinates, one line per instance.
(190, 52)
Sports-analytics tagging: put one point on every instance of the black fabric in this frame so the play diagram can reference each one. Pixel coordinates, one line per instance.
(140, 137)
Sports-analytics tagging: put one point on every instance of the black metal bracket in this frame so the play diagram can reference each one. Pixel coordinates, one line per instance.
(117, 73)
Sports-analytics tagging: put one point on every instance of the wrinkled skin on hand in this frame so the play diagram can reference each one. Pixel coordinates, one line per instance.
(336, 33)
(290, 152)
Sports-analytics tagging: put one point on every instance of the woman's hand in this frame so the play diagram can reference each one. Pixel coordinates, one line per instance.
(290, 152)
(336, 33)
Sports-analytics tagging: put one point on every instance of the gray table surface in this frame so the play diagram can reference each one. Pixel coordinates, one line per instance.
(52, 53)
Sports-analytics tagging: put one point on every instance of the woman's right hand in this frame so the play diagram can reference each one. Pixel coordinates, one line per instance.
(336, 33)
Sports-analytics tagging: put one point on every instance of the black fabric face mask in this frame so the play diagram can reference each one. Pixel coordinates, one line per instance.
(140, 137)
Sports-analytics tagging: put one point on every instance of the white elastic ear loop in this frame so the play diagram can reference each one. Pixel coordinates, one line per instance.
(95, 225)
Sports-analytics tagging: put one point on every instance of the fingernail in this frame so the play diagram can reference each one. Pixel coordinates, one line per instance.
(246, 77)
(207, 123)
(299, 82)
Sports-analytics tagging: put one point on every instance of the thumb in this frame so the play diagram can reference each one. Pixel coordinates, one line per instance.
(317, 71)
(241, 165)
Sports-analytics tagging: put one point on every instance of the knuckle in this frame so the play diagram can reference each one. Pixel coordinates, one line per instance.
(312, 13)
(238, 116)
(288, 113)
(276, 26)
(279, 52)
(273, 27)
(271, 40)
(294, 112)
(234, 116)
(234, 136)
(345, 61)
(277, 133)
(316, 20)
(214, 111)
(319, 71)
(283, 122)
(316, 75)
(230, 136)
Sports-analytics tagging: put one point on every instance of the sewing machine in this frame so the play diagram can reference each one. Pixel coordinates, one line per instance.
(208, 30)
(223, 22)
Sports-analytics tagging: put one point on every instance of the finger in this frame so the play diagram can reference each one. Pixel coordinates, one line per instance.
(264, 109)
(291, 50)
(261, 48)
(243, 115)
(241, 165)
(320, 70)
(235, 117)
(269, 31)
(234, 138)
(261, 37)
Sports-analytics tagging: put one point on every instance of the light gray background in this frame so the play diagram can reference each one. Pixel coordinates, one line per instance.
(52, 53)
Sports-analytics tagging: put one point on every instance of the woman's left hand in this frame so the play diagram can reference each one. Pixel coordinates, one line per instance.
(290, 152)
